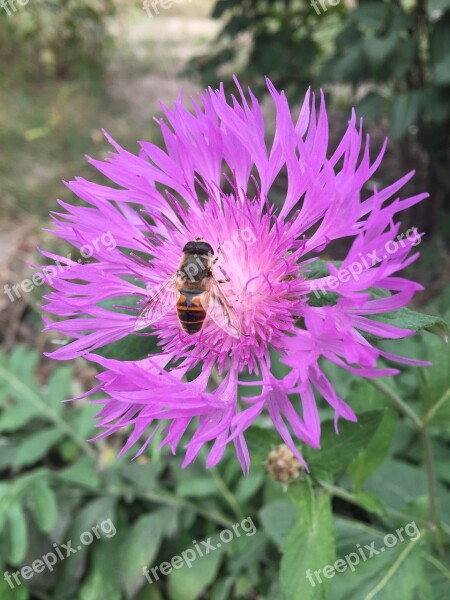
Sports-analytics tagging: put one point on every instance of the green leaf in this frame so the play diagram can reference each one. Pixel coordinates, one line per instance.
(197, 487)
(339, 450)
(435, 387)
(143, 476)
(102, 580)
(370, 107)
(59, 388)
(14, 492)
(25, 390)
(379, 49)
(82, 473)
(436, 105)
(43, 505)
(189, 583)
(151, 592)
(404, 112)
(405, 56)
(440, 50)
(437, 5)
(351, 66)
(260, 443)
(16, 534)
(371, 14)
(222, 589)
(277, 519)
(248, 486)
(438, 574)
(141, 546)
(91, 514)
(404, 487)
(16, 593)
(372, 504)
(309, 545)
(369, 459)
(35, 446)
(396, 572)
(410, 319)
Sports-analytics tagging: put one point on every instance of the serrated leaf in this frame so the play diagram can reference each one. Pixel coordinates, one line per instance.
(339, 450)
(410, 319)
(309, 545)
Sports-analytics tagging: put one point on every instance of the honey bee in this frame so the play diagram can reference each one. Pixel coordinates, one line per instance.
(195, 292)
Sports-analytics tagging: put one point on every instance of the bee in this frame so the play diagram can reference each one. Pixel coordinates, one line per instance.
(195, 292)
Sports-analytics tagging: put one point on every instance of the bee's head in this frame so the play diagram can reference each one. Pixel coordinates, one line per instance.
(201, 248)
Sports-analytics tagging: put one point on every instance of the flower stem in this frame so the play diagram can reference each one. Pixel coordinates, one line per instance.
(397, 402)
(227, 494)
(170, 500)
(421, 427)
(351, 498)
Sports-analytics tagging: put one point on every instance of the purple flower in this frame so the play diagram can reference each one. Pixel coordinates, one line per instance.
(215, 181)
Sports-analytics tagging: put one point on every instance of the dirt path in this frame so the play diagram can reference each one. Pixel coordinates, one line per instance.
(49, 127)
(154, 53)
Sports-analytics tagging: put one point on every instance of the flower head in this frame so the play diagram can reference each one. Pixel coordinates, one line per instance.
(215, 183)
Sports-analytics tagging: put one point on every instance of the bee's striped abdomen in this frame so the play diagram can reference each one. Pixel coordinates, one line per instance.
(191, 313)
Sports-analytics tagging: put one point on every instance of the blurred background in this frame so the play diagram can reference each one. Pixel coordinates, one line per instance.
(72, 67)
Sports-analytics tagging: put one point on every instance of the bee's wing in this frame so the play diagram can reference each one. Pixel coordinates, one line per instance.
(164, 299)
(220, 309)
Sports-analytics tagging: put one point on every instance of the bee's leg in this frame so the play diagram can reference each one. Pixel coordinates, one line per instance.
(223, 280)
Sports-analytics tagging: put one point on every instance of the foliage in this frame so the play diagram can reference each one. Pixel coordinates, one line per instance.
(363, 484)
(393, 58)
(57, 38)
